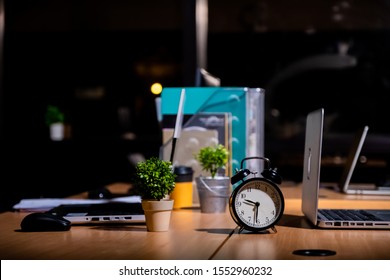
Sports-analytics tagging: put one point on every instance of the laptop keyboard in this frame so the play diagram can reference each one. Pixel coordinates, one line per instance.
(347, 215)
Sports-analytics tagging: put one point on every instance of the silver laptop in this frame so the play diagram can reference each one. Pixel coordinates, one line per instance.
(110, 212)
(330, 218)
(345, 184)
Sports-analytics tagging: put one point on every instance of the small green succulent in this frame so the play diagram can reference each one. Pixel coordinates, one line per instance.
(54, 115)
(212, 158)
(154, 178)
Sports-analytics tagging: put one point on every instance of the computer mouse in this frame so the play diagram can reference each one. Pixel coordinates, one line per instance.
(101, 193)
(44, 222)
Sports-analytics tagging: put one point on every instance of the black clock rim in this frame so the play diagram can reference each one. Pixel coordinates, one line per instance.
(233, 212)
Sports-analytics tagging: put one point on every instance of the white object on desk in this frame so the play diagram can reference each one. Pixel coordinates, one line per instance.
(44, 204)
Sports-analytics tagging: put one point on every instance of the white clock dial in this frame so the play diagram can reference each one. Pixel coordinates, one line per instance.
(257, 204)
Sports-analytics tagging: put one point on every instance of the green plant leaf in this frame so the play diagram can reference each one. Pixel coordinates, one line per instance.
(154, 178)
(54, 115)
(212, 158)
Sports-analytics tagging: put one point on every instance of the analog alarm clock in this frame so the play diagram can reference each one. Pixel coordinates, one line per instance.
(256, 203)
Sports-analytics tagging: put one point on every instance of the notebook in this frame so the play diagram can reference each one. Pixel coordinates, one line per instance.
(110, 212)
(330, 218)
(352, 158)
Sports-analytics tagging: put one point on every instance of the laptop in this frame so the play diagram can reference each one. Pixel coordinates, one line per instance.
(330, 218)
(110, 212)
(344, 184)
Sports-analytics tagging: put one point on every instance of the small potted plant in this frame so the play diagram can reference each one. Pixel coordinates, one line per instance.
(212, 158)
(213, 189)
(154, 181)
(55, 119)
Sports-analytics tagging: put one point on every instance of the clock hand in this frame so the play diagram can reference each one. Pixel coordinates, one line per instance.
(250, 201)
(257, 204)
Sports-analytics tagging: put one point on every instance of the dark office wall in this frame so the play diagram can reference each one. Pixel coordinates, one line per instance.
(1, 65)
(58, 51)
(3, 198)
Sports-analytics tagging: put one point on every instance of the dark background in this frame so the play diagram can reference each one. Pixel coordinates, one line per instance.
(65, 52)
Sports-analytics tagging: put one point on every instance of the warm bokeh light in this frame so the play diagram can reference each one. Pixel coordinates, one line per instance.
(156, 88)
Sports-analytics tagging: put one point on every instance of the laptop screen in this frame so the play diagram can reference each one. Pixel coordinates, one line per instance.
(312, 163)
(352, 158)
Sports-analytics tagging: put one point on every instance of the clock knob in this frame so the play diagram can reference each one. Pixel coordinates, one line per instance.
(272, 175)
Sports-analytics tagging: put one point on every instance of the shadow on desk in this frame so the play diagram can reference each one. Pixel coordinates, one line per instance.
(294, 221)
(117, 227)
(224, 231)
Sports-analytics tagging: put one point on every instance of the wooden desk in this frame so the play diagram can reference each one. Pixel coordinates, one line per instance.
(194, 235)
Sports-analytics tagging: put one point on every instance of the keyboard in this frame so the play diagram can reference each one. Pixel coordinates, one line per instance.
(345, 215)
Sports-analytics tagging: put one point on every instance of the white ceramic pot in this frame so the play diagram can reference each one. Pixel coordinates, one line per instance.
(57, 131)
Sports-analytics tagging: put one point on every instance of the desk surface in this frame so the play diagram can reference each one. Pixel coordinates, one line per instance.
(195, 235)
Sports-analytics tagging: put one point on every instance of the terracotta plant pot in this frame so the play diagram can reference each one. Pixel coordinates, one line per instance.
(157, 214)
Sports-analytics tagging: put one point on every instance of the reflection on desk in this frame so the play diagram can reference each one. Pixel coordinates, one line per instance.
(196, 235)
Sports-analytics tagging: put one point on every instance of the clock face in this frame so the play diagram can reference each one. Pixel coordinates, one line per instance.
(257, 204)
